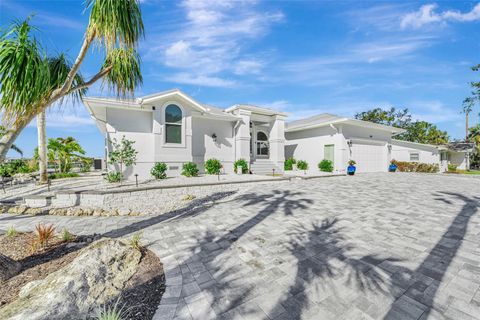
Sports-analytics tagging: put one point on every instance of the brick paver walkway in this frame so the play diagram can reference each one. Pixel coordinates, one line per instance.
(373, 246)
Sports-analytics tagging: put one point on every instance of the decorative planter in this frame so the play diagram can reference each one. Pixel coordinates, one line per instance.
(351, 170)
(392, 168)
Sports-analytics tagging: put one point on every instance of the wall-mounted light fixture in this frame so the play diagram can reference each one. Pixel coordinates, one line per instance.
(350, 143)
(389, 146)
(214, 137)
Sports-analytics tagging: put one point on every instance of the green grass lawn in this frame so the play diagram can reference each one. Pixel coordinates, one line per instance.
(469, 172)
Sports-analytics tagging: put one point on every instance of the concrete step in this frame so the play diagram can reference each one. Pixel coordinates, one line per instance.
(263, 167)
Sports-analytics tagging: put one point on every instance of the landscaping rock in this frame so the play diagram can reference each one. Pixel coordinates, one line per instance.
(96, 276)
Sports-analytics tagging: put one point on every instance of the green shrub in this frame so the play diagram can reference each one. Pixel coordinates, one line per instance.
(10, 168)
(135, 241)
(325, 165)
(288, 165)
(452, 168)
(67, 236)
(61, 175)
(113, 176)
(11, 232)
(159, 170)
(302, 165)
(190, 169)
(213, 166)
(86, 164)
(404, 166)
(112, 312)
(242, 163)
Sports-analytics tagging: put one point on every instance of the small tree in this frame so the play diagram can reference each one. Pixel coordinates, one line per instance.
(123, 153)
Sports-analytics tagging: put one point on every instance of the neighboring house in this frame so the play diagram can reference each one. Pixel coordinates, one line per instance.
(172, 127)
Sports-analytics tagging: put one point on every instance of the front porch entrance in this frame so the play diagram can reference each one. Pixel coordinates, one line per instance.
(259, 145)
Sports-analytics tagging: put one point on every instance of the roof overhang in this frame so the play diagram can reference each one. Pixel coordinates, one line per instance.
(149, 99)
(353, 122)
(255, 109)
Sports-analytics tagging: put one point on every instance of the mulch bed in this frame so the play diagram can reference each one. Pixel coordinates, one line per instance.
(140, 297)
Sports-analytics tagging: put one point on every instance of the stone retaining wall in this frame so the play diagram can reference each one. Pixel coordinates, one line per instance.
(144, 200)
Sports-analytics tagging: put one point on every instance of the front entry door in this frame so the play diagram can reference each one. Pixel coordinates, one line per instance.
(262, 147)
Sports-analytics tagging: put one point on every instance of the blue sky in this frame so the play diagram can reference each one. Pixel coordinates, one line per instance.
(301, 57)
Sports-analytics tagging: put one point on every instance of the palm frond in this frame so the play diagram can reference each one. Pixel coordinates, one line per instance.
(59, 67)
(125, 75)
(115, 22)
(17, 149)
(24, 72)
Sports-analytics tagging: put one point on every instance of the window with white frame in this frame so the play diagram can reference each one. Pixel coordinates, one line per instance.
(173, 124)
(414, 156)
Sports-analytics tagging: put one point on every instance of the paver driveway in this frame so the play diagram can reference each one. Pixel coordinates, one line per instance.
(373, 246)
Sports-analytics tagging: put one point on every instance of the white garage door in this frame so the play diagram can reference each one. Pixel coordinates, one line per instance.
(369, 157)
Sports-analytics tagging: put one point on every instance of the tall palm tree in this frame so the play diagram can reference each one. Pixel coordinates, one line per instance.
(58, 67)
(468, 104)
(116, 25)
(25, 91)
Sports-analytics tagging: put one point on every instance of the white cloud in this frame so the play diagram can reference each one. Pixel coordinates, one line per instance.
(434, 112)
(251, 66)
(213, 39)
(201, 80)
(77, 120)
(427, 14)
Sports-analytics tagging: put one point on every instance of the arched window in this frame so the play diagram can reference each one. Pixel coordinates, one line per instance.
(173, 124)
(261, 136)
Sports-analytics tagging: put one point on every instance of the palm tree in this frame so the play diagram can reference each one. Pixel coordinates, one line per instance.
(25, 76)
(13, 146)
(468, 104)
(25, 84)
(59, 68)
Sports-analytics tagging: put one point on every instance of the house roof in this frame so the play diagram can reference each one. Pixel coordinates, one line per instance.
(256, 109)
(142, 102)
(326, 119)
(461, 146)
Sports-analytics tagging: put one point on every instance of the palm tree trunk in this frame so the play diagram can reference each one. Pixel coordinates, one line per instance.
(12, 133)
(42, 147)
(466, 127)
(8, 267)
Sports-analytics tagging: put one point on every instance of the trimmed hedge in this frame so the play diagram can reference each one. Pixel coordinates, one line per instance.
(404, 166)
(159, 170)
(325, 165)
(288, 165)
(241, 163)
(213, 166)
(190, 169)
(302, 165)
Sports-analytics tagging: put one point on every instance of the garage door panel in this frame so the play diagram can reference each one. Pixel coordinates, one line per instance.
(369, 157)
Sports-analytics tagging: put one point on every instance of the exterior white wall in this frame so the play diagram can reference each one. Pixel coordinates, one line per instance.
(120, 124)
(205, 148)
(458, 159)
(277, 141)
(401, 152)
(309, 145)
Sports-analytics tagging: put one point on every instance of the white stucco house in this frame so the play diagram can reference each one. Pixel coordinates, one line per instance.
(174, 128)
(371, 145)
